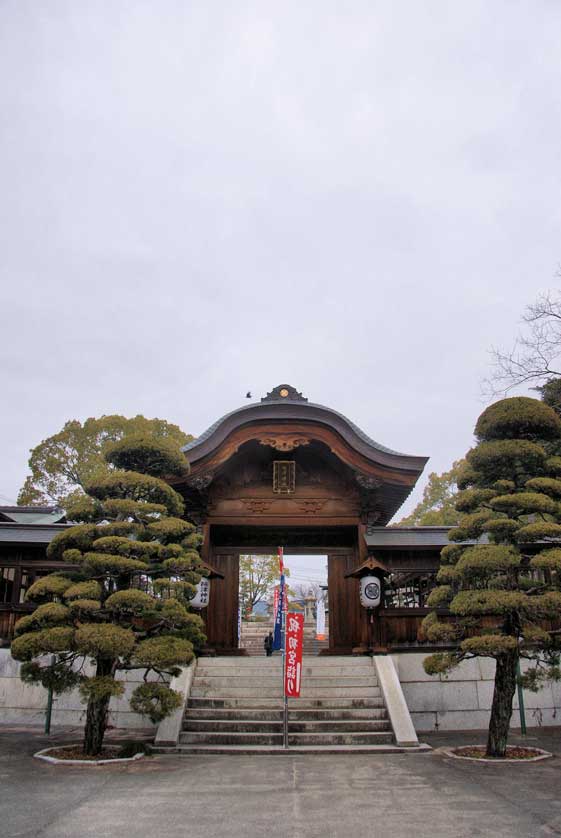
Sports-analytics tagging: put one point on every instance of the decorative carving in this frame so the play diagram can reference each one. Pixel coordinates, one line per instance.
(284, 392)
(286, 442)
(371, 520)
(257, 506)
(367, 481)
(200, 482)
(198, 517)
(311, 507)
(371, 516)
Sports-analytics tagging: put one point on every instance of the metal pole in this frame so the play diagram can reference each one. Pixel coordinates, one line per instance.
(283, 648)
(285, 725)
(49, 710)
(520, 699)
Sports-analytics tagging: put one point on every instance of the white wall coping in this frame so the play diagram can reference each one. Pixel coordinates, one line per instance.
(394, 699)
(170, 727)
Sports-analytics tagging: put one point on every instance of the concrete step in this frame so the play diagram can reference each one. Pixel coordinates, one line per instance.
(259, 738)
(275, 665)
(339, 738)
(338, 713)
(218, 682)
(232, 691)
(229, 738)
(275, 702)
(259, 726)
(275, 661)
(312, 649)
(253, 750)
(234, 714)
(340, 726)
(273, 671)
(308, 672)
(273, 715)
(276, 658)
(231, 725)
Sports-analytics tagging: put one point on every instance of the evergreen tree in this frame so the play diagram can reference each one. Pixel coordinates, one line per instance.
(437, 508)
(124, 601)
(63, 464)
(550, 393)
(505, 600)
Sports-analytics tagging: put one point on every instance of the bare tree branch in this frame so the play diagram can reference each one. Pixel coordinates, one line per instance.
(536, 354)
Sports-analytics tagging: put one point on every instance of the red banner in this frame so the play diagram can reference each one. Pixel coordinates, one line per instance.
(280, 553)
(293, 654)
(276, 600)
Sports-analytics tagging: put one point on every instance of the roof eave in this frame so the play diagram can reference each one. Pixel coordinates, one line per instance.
(211, 439)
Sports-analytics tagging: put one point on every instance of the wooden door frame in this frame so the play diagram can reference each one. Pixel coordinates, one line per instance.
(220, 636)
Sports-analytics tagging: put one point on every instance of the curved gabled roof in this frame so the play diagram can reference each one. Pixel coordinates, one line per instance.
(242, 411)
(292, 406)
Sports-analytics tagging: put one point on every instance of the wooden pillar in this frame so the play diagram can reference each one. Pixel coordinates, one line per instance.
(347, 625)
(221, 614)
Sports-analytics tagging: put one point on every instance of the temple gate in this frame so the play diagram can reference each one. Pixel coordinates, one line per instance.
(291, 473)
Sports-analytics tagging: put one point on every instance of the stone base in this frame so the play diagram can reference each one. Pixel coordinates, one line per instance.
(462, 699)
(208, 652)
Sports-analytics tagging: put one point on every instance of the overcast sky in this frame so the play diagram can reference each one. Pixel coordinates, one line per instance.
(198, 199)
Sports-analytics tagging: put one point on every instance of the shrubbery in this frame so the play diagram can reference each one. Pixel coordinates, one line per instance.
(497, 592)
(124, 601)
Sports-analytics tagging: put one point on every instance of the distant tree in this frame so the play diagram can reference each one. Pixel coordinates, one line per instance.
(536, 354)
(504, 599)
(306, 589)
(123, 603)
(437, 508)
(258, 577)
(550, 393)
(64, 463)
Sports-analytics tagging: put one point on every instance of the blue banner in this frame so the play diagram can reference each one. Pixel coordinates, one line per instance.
(277, 637)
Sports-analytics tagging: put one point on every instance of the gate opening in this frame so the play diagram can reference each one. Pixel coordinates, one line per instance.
(306, 581)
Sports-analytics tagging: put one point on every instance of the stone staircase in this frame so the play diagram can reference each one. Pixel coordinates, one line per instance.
(236, 705)
(253, 635)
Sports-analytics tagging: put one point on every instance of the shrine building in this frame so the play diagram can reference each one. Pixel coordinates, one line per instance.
(285, 471)
(289, 472)
(282, 471)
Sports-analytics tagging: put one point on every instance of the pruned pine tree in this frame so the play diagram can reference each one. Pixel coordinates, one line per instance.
(504, 590)
(124, 602)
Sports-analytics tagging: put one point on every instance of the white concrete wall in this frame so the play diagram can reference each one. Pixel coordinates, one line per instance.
(170, 728)
(23, 704)
(462, 700)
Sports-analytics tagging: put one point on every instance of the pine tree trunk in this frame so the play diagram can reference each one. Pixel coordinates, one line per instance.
(501, 710)
(96, 715)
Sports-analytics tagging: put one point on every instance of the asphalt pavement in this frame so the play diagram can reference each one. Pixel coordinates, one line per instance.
(417, 795)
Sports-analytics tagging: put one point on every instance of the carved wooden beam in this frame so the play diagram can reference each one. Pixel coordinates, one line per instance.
(286, 442)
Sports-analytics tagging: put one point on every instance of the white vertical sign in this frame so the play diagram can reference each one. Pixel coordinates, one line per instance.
(320, 617)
